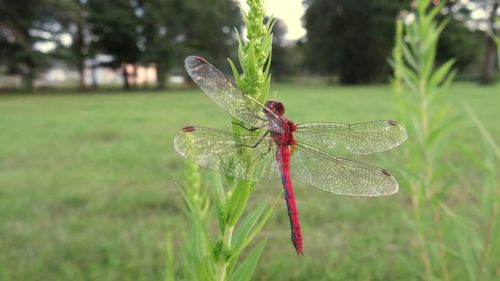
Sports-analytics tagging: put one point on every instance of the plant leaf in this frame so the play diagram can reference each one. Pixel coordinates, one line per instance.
(247, 267)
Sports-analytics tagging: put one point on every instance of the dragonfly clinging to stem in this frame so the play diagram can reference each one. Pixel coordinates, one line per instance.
(283, 146)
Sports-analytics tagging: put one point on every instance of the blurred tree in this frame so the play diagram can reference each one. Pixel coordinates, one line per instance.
(116, 27)
(73, 16)
(351, 38)
(458, 42)
(80, 32)
(481, 15)
(173, 29)
(209, 29)
(161, 22)
(27, 30)
(159, 32)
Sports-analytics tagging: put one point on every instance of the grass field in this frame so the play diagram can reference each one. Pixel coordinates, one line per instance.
(87, 186)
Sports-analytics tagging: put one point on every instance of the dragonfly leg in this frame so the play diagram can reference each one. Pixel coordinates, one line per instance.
(248, 129)
(268, 149)
(262, 155)
(258, 142)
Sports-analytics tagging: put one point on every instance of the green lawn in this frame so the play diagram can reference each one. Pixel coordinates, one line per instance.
(87, 186)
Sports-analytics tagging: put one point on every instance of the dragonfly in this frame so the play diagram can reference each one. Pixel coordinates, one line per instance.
(278, 146)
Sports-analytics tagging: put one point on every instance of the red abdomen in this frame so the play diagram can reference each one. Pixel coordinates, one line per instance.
(283, 160)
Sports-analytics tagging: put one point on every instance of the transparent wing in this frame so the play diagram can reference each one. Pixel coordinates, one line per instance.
(228, 153)
(361, 138)
(224, 93)
(340, 176)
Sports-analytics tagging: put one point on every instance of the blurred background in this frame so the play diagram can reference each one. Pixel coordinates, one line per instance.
(141, 44)
(92, 93)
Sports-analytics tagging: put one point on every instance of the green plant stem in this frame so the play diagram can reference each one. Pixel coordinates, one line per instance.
(226, 247)
(428, 178)
(421, 235)
(228, 235)
(413, 61)
(428, 187)
(254, 81)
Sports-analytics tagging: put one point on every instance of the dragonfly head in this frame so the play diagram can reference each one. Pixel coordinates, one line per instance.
(276, 106)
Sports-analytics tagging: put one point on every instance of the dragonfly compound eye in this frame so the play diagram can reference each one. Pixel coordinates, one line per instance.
(279, 108)
(276, 106)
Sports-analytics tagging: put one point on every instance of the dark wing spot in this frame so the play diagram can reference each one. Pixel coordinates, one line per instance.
(202, 59)
(385, 172)
(393, 123)
(188, 129)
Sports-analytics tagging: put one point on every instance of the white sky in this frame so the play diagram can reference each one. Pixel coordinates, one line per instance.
(289, 11)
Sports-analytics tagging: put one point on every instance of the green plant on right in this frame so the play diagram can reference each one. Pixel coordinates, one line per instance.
(475, 233)
(421, 92)
(453, 241)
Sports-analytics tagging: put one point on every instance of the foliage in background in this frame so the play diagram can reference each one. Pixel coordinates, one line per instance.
(476, 232)
(482, 16)
(24, 25)
(114, 26)
(138, 32)
(350, 38)
(464, 46)
(345, 38)
(423, 110)
(160, 32)
(447, 242)
(203, 257)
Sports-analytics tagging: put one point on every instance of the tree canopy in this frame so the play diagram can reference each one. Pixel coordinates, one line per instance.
(24, 25)
(132, 32)
(350, 38)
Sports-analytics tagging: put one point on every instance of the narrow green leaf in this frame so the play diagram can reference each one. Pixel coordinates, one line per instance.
(268, 66)
(236, 74)
(251, 70)
(428, 62)
(220, 201)
(436, 10)
(219, 195)
(254, 225)
(422, 6)
(441, 26)
(246, 226)
(247, 267)
(266, 89)
(241, 51)
(267, 46)
(409, 78)
(441, 73)
(187, 201)
(238, 201)
(437, 132)
(409, 57)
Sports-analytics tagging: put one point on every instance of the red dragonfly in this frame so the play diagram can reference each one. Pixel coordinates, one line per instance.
(283, 145)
